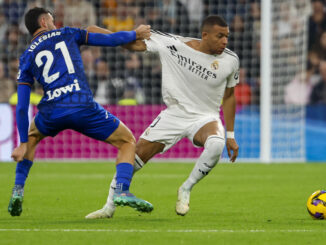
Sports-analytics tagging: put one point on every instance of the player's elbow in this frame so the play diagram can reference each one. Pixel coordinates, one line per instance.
(21, 110)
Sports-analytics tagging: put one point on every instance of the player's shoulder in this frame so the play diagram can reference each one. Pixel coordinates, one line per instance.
(25, 56)
(163, 35)
(69, 30)
(230, 54)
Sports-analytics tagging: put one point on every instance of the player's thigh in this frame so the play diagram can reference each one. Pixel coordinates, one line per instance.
(34, 134)
(121, 136)
(167, 129)
(210, 128)
(146, 149)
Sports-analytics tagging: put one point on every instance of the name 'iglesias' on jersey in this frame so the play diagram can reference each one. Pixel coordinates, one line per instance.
(41, 39)
(65, 86)
(193, 80)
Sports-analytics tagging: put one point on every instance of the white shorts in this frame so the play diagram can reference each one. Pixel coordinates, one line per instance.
(173, 124)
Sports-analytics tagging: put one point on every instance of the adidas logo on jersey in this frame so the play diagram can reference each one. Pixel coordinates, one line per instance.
(66, 89)
(172, 48)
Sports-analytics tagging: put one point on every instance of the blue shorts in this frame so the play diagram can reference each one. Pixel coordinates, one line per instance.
(94, 122)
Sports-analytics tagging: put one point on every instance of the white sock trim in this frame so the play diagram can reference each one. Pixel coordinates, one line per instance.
(213, 136)
(138, 163)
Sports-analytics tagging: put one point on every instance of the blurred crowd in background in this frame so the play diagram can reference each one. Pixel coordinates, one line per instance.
(117, 76)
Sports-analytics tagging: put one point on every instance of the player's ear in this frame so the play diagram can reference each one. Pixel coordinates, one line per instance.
(204, 35)
(42, 21)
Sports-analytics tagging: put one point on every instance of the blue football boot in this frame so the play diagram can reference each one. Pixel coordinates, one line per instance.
(125, 198)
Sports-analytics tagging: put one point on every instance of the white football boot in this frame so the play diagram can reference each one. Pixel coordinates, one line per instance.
(106, 212)
(182, 206)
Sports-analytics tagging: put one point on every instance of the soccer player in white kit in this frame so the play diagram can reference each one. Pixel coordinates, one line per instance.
(197, 74)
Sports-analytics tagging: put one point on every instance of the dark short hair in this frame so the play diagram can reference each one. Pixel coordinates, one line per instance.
(32, 19)
(212, 20)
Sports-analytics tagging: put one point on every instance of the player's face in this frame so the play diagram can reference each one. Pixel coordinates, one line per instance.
(216, 39)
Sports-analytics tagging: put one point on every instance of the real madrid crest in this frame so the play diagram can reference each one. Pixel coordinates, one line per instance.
(214, 65)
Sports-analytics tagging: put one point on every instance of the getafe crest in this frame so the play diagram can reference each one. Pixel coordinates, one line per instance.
(214, 65)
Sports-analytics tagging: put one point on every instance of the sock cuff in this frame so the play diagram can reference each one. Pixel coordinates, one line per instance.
(26, 161)
(124, 169)
(138, 163)
(213, 137)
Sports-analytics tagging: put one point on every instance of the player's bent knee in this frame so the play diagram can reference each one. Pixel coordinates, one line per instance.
(214, 146)
(130, 140)
(34, 139)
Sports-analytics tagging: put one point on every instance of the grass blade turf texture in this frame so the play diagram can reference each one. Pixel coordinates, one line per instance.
(235, 204)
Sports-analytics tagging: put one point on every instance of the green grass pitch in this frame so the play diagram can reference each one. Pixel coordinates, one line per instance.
(235, 204)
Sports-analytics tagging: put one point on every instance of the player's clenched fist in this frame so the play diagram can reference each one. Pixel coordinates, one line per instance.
(19, 152)
(143, 32)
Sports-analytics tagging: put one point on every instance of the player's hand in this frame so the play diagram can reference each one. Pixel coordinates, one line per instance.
(19, 152)
(231, 145)
(143, 32)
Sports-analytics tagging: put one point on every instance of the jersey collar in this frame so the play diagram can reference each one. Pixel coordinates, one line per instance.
(38, 34)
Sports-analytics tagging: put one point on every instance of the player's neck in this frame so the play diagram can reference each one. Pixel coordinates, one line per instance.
(38, 31)
(205, 49)
(199, 46)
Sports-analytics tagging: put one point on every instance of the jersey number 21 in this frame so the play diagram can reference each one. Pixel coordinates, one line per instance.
(49, 60)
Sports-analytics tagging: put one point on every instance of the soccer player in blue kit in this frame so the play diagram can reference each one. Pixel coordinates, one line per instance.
(53, 59)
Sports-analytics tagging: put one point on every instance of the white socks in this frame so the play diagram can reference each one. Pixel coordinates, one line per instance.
(206, 162)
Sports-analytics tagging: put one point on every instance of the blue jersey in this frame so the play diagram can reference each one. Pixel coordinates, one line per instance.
(54, 60)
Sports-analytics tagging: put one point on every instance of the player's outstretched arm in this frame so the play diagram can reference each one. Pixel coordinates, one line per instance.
(137, 45)
(97, 29)
(23, 92)
(229, 105)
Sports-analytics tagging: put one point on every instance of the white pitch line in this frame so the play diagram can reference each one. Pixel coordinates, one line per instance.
(160, 231)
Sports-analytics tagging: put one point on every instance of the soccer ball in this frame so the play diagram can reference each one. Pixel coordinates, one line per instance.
(316, 205)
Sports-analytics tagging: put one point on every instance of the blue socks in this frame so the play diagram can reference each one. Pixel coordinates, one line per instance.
(22, 171)
(124, 176)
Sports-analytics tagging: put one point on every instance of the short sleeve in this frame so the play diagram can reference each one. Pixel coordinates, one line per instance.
(153, 44)
(159, 40)
(233, 79)
(24, 75)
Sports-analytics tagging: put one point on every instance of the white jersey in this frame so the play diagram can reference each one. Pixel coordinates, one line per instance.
(193, 80)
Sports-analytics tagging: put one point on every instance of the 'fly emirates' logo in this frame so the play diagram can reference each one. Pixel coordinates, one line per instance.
(193, 66)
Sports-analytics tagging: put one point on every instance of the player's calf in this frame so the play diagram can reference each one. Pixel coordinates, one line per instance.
(206, 162)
